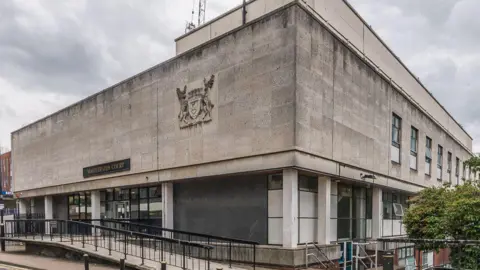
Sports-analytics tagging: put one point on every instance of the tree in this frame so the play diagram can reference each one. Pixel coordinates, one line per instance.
(447, 213)
(474, 164)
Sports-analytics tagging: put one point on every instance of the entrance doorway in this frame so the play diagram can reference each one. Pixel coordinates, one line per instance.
(121, 210)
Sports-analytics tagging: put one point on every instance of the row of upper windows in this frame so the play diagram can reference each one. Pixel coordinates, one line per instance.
(396, 142)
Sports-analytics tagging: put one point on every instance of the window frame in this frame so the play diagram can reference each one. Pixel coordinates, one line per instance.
(398, 130)
(449, 162)
(413, 132)
(428, 154)
(440, 161)
(457, 167)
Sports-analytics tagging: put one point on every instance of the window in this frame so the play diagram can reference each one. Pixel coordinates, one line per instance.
(413, 141)
(413, 148)
(396, 126)
(464, 168)
(439, 162)
(428, 156)
(457, 165)
(449, 162)
(396, 131)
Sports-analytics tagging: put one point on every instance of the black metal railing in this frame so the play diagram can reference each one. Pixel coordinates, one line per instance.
(225, 250)
(175, 252)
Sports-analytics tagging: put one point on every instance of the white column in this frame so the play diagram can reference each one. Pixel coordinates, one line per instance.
(324, 192)
(290, 208)
(167, 201)
(22, 206)
(48, 204)
(95, 206)
(377, 207)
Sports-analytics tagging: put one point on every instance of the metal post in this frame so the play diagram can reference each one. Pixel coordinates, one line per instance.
(61, 229)
(230, 254)
(254, 256)
(85, 259)
(95, 237)
(122, 264)
(163, 266)
(125, 247)
(345, 255)
(109, 243)
(2, 234)
(184, 263)
(83, 239)
(244, 12)
(141, 246)
(356, 255)
(376, 255)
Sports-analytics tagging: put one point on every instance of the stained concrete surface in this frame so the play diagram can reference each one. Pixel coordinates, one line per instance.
(21, 260)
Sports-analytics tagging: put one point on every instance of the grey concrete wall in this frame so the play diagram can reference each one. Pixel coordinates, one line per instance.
(253, 113)
(231, 207)
(60, 207)
(344, 110)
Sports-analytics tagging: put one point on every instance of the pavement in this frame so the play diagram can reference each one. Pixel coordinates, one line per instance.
(22, 261)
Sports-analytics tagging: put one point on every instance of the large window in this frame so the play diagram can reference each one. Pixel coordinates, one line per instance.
(396, 138)
(449, 167)
(413, 148)
(144, 205)
(394, 205)
(428, 156)
(79, 206)
(439, 162)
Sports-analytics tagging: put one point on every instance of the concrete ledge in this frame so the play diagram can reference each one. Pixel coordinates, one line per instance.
(279, 256)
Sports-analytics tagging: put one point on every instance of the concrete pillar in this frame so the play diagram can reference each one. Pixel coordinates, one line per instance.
(95, 206)
(23, 205)
(377, 217)
(48, 204)
(167, 202)
(324, 192)
(290, 208)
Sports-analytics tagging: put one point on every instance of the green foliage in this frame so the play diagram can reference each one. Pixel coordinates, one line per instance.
(473, 163)
(446, 212)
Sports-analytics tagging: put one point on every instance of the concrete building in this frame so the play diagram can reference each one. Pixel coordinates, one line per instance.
(294, 124)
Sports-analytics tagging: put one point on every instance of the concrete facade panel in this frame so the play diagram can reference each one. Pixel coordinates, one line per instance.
(358, 120)
(253, 97)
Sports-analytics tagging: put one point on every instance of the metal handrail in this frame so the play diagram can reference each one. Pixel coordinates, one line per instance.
(125, 222)
(225, 249)
(315, 256)
(125, 242)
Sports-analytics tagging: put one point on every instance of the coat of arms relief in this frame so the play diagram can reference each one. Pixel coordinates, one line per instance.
(195, 105)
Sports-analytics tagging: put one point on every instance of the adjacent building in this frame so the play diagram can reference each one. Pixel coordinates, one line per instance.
(6, 174)
(287, 124)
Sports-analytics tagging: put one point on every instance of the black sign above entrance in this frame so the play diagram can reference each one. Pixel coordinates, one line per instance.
(107, 168)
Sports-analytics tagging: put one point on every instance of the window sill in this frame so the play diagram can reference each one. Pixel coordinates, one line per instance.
(428, 175)
(439, 180)
(412, 169)
(395, 162)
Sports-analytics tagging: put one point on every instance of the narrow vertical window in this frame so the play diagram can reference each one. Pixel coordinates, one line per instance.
(439, 162)
(457, 169)
(413, 148)
(428, 156)
(396, 131)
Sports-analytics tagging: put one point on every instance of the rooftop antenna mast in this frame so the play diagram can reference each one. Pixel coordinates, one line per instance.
(202, 5)
(190, 25)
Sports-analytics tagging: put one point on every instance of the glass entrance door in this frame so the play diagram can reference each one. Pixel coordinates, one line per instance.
(122, 210)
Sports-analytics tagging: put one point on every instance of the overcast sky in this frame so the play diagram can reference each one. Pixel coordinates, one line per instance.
(56, 52)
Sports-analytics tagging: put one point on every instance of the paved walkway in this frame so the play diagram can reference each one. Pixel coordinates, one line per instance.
(152, 257)
(37, 262)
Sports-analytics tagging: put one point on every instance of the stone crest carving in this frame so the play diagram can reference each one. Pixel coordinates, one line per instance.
(195, 105)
